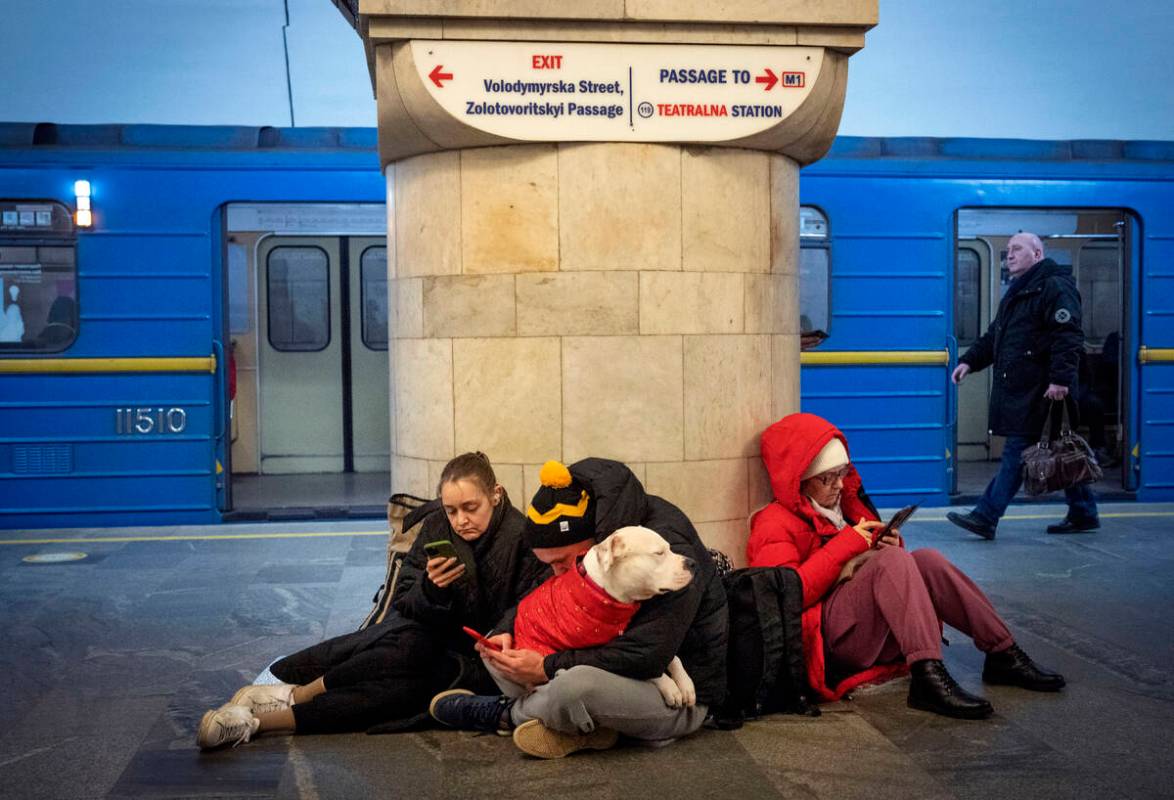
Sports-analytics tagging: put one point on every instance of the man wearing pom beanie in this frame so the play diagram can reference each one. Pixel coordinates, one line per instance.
(584, 698)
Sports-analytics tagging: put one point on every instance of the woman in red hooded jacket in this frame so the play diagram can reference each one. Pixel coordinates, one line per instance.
(871, 612)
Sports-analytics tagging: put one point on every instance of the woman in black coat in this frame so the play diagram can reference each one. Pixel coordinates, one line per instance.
(387, 672)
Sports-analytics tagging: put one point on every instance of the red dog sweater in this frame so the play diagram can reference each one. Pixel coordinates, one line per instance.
(567, 612)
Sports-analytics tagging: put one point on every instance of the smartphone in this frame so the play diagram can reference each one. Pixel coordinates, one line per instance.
(479, 638)
(896, 522)
(444, 548)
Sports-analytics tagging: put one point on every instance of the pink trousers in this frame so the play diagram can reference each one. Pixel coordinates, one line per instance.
(894, 607)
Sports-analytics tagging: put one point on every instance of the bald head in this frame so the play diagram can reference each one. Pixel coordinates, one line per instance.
(1024, 251)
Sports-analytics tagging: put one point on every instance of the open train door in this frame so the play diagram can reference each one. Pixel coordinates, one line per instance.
(1099, 245)
(308, 320)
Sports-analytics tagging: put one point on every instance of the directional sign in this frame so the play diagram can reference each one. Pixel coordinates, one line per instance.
(438, 77)
(768, 78)
(562, 91)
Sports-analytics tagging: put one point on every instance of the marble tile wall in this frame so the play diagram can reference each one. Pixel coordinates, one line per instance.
(619, 206)
(507, 397)
(629, 301)
(509, 209)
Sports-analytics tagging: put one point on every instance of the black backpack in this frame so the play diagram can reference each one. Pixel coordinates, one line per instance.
(765, 669)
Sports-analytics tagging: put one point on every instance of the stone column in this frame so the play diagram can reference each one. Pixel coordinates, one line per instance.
(634, 300)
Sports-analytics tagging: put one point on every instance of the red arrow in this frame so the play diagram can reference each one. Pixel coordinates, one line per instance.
(770, 79)
(437, 76)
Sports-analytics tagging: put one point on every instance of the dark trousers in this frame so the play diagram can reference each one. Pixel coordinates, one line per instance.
(1082, 505)
(385, 672)
(893, 608)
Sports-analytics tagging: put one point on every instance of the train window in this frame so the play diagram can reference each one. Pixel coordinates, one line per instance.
(1099, 290)
(812, 223)
(373, 297)
(967, 300)
(38, 311)
(814, 304)
(298, 282)
(238, 289)
(814, 273)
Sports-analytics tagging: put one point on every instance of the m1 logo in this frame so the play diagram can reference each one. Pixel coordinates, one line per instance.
(793, 80)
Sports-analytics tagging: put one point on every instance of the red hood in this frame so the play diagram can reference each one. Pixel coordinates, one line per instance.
(792, 533)
(788, 447)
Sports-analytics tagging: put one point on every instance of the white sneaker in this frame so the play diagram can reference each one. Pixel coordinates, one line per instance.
(229, 723)
(264, 698)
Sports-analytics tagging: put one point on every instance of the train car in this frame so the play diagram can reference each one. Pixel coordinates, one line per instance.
(902, 268)
(190, 314)
(133, 258)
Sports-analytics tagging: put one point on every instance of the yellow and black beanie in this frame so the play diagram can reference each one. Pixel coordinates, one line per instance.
(561, 512)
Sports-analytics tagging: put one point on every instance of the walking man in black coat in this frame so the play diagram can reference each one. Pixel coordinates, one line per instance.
(1034, 345)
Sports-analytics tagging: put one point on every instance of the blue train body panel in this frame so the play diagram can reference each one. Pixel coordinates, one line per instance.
(891, 208)
(895, 423)
(150, 284)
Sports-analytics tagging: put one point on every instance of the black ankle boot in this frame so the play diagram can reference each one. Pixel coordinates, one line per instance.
(934, 689)
(1013, 667)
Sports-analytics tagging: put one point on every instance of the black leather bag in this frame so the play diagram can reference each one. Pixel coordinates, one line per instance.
(1054, 464)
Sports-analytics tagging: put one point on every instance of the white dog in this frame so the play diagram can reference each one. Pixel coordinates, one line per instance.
(634, 564)
(631, 565)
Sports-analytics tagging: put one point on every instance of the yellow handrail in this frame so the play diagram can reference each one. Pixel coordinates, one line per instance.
(870, 357)
(1155, 355)
(78, 366)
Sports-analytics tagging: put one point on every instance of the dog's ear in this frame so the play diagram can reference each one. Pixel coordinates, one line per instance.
(603, 554)
(619, 545)
(610, 550)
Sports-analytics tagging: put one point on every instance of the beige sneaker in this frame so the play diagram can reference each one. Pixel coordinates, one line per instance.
(227, 724)
(264, 698)
(535, 739)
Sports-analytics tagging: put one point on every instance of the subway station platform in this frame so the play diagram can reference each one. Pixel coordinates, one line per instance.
(110, 660)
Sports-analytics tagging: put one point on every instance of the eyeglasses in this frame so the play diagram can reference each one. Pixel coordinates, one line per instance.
(830, 477)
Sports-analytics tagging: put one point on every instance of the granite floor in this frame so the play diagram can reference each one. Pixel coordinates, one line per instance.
(312, 496)
(973, 477)
(111, 659)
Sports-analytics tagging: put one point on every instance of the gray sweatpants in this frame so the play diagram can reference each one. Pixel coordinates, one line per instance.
(582, 698)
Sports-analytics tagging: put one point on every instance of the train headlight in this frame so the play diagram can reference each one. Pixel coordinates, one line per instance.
(84, 216)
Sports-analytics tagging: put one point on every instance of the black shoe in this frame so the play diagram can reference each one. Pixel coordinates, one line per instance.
(461, 709)
(973, 523)
(1013, 667)
(1075, 526)
(932, 688)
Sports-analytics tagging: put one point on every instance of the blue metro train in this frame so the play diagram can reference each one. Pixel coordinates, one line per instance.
(169, 291)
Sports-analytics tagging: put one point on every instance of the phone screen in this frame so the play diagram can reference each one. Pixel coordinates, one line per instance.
(441, 549)
(896, 522)
(444, 548)
(478, 637)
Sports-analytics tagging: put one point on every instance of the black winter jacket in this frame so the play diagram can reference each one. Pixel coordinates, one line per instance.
(692, 623)
(1035, 339)
(506, 571)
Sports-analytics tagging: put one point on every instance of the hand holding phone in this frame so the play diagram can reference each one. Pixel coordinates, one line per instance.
(481, 639)
(867, 529)
(455, 572)
(894, 524)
